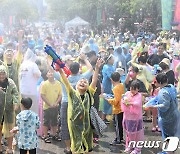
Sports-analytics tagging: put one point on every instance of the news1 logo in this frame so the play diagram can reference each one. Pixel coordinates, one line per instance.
(170, 144)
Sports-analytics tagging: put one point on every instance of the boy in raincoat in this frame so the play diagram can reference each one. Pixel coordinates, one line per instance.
(79, 103)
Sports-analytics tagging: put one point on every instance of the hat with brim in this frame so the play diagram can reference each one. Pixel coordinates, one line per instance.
(102, 50)
(68, 57)
(3, 69)
(165, 61)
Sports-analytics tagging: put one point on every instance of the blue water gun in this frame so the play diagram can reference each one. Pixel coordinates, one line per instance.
(156, 69)
(56, 59)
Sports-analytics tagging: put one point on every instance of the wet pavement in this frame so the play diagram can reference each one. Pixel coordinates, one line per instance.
(103, 147)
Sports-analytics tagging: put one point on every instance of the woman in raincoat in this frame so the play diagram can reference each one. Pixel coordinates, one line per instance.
(13, 64)
(9, 97)
(167, 105)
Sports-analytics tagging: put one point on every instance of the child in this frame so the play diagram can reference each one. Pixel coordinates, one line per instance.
(51, 94)
(118, 91)
(132, 120)
(78, 117)
(27, 123)
(154, 92)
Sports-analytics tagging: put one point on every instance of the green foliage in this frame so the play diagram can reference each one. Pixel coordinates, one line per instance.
(22, 9)
(135, 10)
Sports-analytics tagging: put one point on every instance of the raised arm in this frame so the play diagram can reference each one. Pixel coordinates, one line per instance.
(89, 66)
(64, 78)
(96, 72)
(133, 61)
(19, 56)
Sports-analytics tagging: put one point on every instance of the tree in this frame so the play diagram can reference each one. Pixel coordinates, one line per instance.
(21, 9)
(132, 10)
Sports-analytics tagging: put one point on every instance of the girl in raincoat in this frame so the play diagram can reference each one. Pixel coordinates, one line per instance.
(132, 120)
(9, 97)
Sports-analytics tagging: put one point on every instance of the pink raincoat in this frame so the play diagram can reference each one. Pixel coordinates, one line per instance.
(132, 118)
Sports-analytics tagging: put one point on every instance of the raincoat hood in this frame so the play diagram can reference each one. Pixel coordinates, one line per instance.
(126, 46)
(29, 55)
(25, 115)
(91, 41)
(3, 69)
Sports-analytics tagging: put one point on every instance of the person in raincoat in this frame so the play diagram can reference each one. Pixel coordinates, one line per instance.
(131, 105)
(93, 46)
(79, 103)
(107, 70)
(9, 99)
(29, 75)
(13, 64)
(167, 104)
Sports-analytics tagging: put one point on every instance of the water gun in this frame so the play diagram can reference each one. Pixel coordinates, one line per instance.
(156, 69)
(56, 60)
(126, 101)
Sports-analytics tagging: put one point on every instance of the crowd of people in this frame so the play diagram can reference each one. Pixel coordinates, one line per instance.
(115, 72)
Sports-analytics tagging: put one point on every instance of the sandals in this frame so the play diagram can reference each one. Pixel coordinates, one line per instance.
(56, 138)
(47, 140)
(128, 150)
(158, 129)
(135, 152)
(8, 151)
(153, 129)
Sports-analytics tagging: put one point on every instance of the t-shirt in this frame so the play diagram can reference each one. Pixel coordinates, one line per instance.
(156, 59)
(51, 91)
(118, 91)
(142, 86)
(28, 81)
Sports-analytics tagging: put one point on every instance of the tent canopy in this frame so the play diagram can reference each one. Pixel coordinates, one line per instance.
(76, 22)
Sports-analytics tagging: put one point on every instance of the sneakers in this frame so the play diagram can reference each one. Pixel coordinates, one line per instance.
(47, 140)
(115, 142)
(56, 138)
(106, 121)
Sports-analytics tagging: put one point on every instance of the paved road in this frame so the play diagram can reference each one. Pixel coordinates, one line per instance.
(103, 147)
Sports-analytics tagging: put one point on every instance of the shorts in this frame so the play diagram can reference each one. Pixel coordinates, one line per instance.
(50, 117)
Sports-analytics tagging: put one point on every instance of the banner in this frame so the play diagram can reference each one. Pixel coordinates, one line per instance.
(99, 16)
(167, 14)
(177, 12)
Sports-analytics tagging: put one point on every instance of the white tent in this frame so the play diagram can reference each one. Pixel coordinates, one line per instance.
(76, 22)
